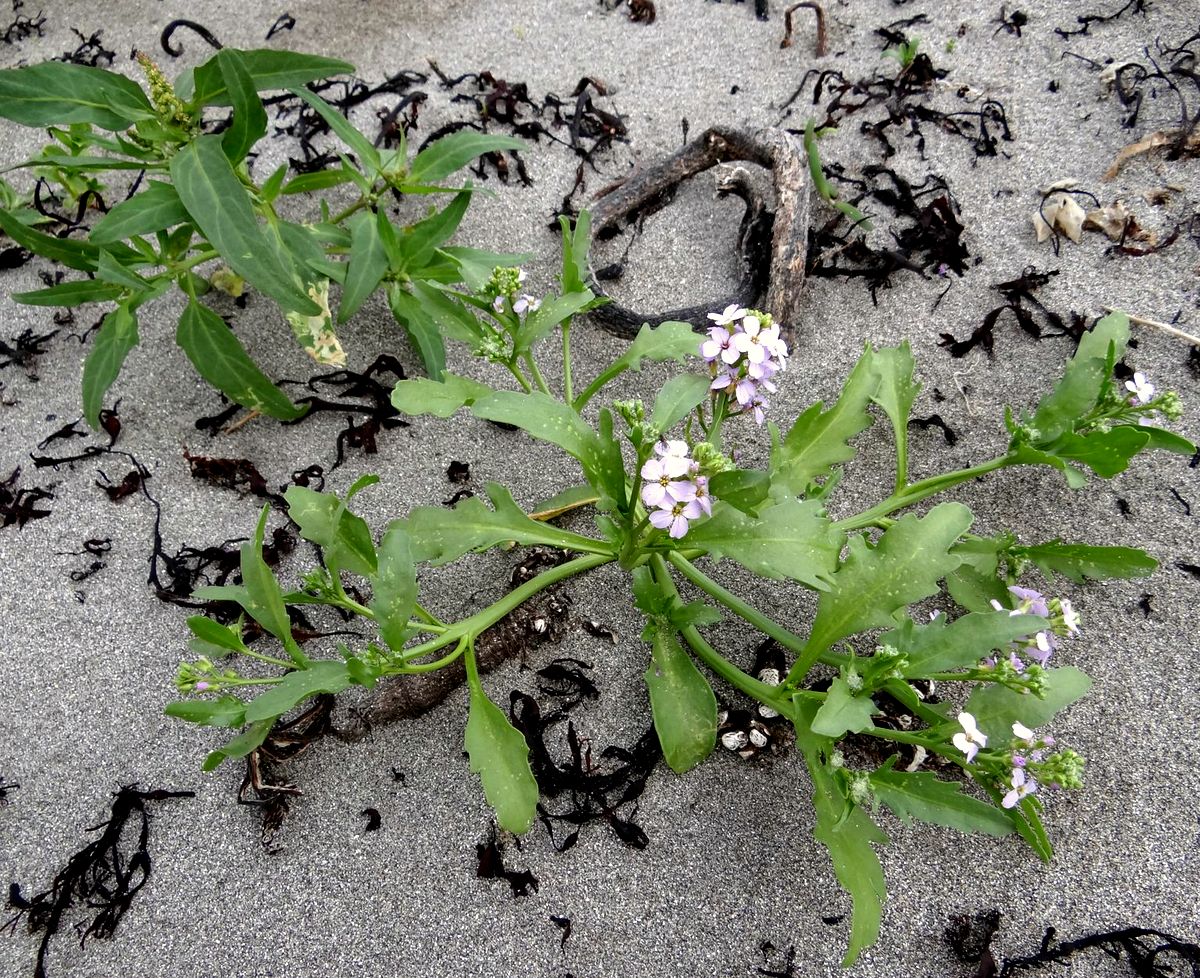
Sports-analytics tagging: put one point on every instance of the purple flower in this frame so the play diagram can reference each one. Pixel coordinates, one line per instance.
(759, 405)
(201, 686)
(675, 516)
(702, 497)
(498, 303)
(1022, 785)
(526, 303)
(1041, 647)
(745, 391)
(1140, 387)
(1030, 602)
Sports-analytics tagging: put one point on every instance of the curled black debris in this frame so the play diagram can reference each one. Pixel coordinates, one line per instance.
(5, 788)
(1123, 507)
(203, 32)
(593, 793)
(374, 820)
(490, 854)
(787, 964)
(567, 680)
(1085, 21)
(23, 27)
(563, 924)
(237, 474)
(102, 877)
(1193, 569)
(95, 548)
(596, 630)
(1144, 603)
(90, 51)
(970, 938)
(24, 349)
(132, 483)
(284, 22)
(19, 506)
(398, 776)
(1010, 23)
(459, 472)
(1032, 315)
(1187, 507)
(457, 498)
(1139, 947)
(935, 421)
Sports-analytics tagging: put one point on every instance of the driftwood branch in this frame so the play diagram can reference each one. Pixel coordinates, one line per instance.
(786, 229)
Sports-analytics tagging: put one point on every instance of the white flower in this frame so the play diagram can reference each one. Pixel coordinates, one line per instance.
(498, 303)
(1022, 785)
(731, 315)
(971, 739)
(1022, 732)
(526, 303)
(1070, 617)
(1140, 387)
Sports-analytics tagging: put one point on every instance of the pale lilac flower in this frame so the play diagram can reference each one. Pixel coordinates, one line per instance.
(675, 516)
(520, 275)
(201, 686)
(1140, 387)
(1015, 661)
(750, 340)
(1019, 761)
(1030, 602)
(731, 314)
(665, 482)
(674, 446)
(1022, 732)
(759, 405)
(716, 345)
(498, 303)
(526, 303)
(723, 381)
(1041, 648)
(1022, 785)
(702, 496)
(971, 739)
(745, 391)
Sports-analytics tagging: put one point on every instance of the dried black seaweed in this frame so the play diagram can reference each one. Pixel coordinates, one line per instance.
(935, 421)
(102, 877)
(284, 22)
(237, 474)
(374, 820)
(788, 964)
(1086, 21)
(24, 349)
(1031, 314)
(19, 506)
(203, 32)
(90, 51)
(490, 854)
(23, 27)
(5, 788)
(1141, 955)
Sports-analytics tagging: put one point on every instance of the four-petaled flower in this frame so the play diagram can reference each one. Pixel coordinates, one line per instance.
(731, 314)
(666, 480)
(1141, 389)
(1022, 785)
(674, 517)
(526, 303)
(971, 739)
(744, 351)
(1070, 617)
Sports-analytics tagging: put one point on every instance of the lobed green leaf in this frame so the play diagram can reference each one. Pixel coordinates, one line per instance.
(921, 795)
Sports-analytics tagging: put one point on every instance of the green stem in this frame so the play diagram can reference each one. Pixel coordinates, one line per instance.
(789, 640)
(531, 363)
(405, 669)
(269, 659)
(354, 208)
(901, 737)
(521, 378)
(420, 612)
(568, 394)
(594, 387)
(736, 678)
(485, 619)
(921, 490)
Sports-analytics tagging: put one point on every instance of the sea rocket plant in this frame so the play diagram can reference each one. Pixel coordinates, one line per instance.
(670, 501)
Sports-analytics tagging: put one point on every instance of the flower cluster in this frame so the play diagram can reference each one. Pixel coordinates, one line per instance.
(503, 288)
(1063, 618)
(1026, 762)
(744, 351)
(674, 490)
(202, 676)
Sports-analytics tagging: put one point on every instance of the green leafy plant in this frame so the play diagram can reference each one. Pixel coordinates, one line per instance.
(197, 207)
(667, 502)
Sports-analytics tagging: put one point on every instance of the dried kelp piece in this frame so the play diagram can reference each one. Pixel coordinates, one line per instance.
(457, 498)
(374, 820)
(169, 31)
(787, 229)
(23, 27)
(19, 506)
(24, 349)
(1010, 23)
(821, 46)
(935, 421)
(96, 547)
(1192, 569)
(1086, 21)
(563, 923)
(237, 474)
(788, 964)
(102, 877)
(5, 788)
(490, 854)
(1032, 315)
(970, 938)
(595, 793)
(566, 679)
(14, 256)
(362, 393)
(110, 424)
(459, 472)
(536, 560)
(131, 484)
(284, 22)
(214, 424)
(1141, 955)
(91, 52)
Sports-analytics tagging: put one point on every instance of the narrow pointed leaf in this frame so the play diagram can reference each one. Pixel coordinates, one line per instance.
(344, 537)
(82, 255)
(264, 598)
(118, 335)
(249, 123)
(59, 94)
(450, 153)
(228, 711)
(246, 742)
(219, 205)
(270, 70)
(421, 328)
(219, 357)
(368, 155)
(418, 242)
(71, 294)
(156, 208)
(368, 262)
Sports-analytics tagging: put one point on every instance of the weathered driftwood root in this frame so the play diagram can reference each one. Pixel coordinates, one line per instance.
(776, 269)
